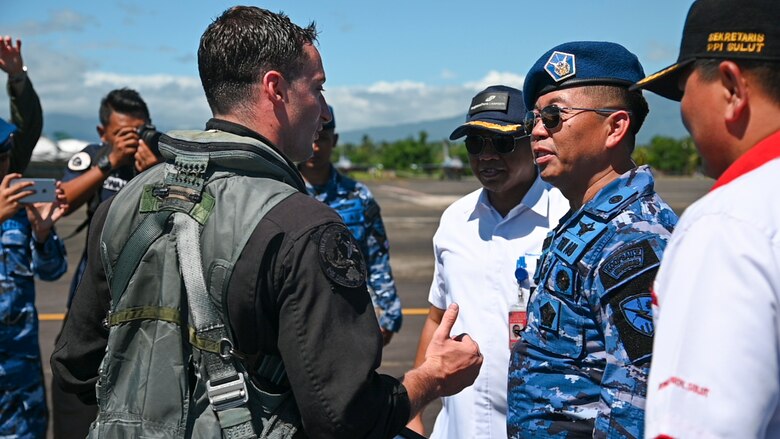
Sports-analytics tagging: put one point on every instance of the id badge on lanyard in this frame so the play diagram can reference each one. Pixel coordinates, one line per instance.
(518, 314)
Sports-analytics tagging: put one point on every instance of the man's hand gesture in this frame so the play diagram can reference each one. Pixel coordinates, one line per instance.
(11, 56)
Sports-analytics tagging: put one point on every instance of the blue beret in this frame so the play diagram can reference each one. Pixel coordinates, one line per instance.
(497, 108)
(331, 125)
(581, 63)
(6, 129)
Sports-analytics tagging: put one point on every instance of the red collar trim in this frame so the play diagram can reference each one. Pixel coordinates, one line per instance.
(760, 154)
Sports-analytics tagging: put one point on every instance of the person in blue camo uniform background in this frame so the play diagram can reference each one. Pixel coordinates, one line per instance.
(580, 368)
(356, 205)
(30, 247)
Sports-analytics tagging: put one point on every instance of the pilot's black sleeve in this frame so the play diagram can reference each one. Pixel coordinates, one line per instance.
(82, 342)
(311, 278)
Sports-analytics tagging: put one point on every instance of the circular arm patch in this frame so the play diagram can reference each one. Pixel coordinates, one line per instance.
(79, 162)
(340, 257)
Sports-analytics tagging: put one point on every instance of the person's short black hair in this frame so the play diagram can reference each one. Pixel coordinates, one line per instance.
(621, 97)
(241, 46)
(767, 73)
(124, 101)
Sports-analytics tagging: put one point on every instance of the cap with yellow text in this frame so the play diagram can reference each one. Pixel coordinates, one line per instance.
(721, 29)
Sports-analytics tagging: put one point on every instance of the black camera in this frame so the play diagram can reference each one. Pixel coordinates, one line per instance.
(149, 134)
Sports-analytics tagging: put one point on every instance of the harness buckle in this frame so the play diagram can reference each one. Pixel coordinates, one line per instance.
(229, 394)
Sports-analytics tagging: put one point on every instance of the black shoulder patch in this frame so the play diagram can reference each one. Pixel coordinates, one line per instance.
(626, 262)
(631, 306)
(340, 257)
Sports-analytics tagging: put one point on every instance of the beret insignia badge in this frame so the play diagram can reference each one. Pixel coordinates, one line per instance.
(560, 66)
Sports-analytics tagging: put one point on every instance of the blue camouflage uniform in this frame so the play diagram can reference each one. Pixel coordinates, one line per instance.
(355, 204)
(580, 368)
(22, 400)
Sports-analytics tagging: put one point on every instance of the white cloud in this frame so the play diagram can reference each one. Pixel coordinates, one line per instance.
(69, 85)
(383, 87)
(113, 80)
(393, 103)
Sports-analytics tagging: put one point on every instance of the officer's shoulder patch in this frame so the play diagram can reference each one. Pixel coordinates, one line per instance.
(80, 161)
(340, 257)
(626, 262)
(631, 311)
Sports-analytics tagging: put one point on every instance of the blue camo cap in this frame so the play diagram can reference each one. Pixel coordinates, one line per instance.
(6, 129)
(497, 108)
(331, 125)
(581, 63)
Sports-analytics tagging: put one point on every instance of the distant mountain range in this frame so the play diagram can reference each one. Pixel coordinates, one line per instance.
(664, 119)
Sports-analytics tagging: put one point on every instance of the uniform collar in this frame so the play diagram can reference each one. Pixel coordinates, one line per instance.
(240, 130)
(536, 199)
(640, 179)
(760, 154)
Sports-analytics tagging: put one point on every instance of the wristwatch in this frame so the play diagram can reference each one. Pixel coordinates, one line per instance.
(104, 164)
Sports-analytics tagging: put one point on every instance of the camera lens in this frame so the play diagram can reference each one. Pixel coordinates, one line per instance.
(149, 134)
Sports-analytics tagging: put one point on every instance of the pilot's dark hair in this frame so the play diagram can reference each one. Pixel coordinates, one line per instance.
(241, 46)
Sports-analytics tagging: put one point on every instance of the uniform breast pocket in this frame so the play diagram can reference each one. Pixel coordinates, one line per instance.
(554, 325)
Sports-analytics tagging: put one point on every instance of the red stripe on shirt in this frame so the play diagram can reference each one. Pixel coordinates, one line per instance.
(760, 154)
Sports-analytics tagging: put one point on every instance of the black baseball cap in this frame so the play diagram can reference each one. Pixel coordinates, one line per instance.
(498, 108)
(721, 29)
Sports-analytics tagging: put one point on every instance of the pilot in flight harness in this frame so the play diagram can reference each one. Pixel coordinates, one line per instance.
(171, 368)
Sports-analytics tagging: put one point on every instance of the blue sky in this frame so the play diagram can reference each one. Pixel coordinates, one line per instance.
(387, 63)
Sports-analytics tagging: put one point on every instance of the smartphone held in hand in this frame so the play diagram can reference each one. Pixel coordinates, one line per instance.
(44, 190)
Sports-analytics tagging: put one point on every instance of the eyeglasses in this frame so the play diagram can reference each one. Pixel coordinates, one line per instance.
(551, 115)
(502, 144)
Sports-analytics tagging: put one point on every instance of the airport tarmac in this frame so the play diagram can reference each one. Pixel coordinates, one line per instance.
(411, 209)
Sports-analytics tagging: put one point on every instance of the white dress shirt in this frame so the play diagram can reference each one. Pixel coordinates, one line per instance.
(716, 359)
(476, 251)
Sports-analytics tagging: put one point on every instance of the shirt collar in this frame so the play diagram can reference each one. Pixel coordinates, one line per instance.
(760, 154)
(536, 199)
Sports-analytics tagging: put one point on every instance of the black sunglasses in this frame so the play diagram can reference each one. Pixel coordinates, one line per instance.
(551, 115)
(502, 144)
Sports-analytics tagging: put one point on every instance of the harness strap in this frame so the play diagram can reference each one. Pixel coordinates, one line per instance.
(143, 236)
(226, 386)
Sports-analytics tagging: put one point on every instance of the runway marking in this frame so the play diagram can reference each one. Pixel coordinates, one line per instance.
(51, 317)
(58, 317)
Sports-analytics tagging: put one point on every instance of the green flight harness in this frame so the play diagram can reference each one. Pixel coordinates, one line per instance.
(171, 369)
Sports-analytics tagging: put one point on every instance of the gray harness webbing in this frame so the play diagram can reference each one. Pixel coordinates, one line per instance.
(223, 401)
(226, 386)
(144, 235)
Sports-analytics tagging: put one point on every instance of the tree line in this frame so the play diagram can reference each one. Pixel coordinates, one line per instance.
(422, 156)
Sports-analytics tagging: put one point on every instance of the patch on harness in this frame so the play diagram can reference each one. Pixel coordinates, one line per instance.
(340, 257)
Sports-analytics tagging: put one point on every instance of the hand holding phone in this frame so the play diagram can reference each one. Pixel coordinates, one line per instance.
(45, 207)
(42, 190)
(9, 196)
